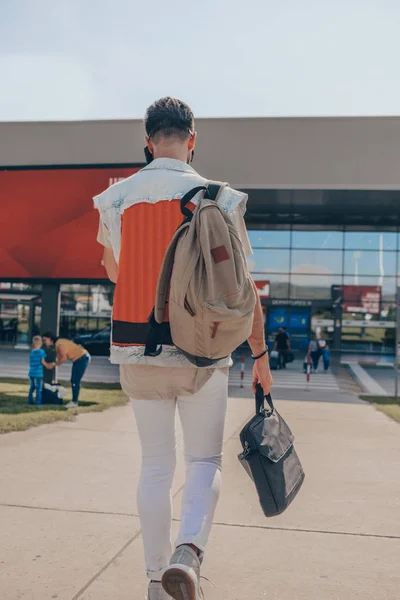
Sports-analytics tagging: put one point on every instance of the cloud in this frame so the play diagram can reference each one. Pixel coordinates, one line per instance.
(306, 269)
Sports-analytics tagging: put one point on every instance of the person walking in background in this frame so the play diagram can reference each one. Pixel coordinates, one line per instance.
(161, 383)
(282, 345)
(36, 358)
(314, 352)
(326, 356)
(68, 350)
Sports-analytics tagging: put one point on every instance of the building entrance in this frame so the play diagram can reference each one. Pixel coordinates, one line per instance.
(296, 320)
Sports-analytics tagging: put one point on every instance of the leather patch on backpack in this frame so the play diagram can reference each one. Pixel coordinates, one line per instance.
(220, 254)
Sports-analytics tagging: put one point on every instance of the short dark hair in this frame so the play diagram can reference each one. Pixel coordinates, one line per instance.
(170, 117)
(50, 335)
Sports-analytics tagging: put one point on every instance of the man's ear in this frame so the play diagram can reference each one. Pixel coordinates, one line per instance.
(149, 144)
(192, 141)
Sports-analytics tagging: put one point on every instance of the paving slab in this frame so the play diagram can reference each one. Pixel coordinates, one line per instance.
(351, 457)
(80, 538)
(92, 463)
(246, 563)
(53, 554)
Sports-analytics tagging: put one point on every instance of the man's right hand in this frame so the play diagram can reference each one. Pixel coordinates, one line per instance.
(262, 375)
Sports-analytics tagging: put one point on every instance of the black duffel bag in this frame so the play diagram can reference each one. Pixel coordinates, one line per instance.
(289, 356)
(269, 457)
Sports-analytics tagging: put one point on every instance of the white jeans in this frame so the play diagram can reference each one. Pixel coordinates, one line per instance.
(203, 417)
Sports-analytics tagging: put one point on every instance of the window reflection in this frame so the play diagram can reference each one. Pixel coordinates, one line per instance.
(386, 284)
(370, 240)
(323, 262)
(85, 309)
(270, 238)
(269, 261)
(274, 285)
(317, 287)
(361, 262)
(323, 240)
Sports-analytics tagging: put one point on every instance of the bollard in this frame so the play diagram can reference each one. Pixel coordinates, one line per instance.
(308, 376)
(242, 372)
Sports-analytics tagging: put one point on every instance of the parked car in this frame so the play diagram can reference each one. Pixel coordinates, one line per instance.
(97, 344)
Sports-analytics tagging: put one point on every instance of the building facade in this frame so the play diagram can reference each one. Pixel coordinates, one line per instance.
(323, 218)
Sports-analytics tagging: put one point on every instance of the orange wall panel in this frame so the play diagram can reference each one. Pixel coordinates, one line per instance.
(48, 225)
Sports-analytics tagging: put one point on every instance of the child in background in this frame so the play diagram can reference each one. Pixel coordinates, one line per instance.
(326, 356)
(36, 369)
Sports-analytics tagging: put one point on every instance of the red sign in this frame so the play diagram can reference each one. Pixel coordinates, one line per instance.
(263, 288)
(362, 299)
(48, 223)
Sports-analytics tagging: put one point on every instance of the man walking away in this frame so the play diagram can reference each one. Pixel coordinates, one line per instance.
(68, 350)
(146, 208)
(282, 345)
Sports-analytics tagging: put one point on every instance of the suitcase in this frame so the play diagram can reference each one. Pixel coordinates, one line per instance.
(274, 360)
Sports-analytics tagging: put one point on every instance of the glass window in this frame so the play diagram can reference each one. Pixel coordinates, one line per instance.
(104, 334)
(101, 299)
(313, 287)
(322, 323)
(74, 287)
(323, 240)
(270, 238)
(269, 261)
(370, 240)
(360, 335)
(361, 262)
(275, 285)
(76, 303)
(386, 284)
(323, 262)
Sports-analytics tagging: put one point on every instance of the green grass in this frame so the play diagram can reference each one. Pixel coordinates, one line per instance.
(386, 404)
(17, 415)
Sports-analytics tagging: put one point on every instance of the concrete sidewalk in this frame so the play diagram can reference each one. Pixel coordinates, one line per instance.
(69, 525)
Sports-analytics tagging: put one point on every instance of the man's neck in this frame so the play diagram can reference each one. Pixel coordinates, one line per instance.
(174, 152)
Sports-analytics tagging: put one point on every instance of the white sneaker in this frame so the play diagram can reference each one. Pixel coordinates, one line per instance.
(181, 580)
(71, 405)
(156, 592)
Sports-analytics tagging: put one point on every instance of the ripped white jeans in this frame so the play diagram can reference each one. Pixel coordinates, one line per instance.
(203, 417)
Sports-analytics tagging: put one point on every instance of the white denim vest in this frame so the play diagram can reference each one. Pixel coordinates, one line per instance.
(163, 179)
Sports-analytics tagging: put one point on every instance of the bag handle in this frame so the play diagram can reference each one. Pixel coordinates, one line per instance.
(260, 398)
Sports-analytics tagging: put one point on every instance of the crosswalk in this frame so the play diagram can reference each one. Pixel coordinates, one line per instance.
(292, 377)
(15, 365)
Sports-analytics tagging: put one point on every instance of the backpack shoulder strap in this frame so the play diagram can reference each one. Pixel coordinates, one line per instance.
(188, 197)
(214, 189)
(212, 192)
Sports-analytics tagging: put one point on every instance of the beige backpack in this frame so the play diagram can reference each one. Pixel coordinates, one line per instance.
(205, 282)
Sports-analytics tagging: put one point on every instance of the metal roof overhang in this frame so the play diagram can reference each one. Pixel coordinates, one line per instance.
(349, 208)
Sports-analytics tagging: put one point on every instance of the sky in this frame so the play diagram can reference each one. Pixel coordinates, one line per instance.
(103, 59)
